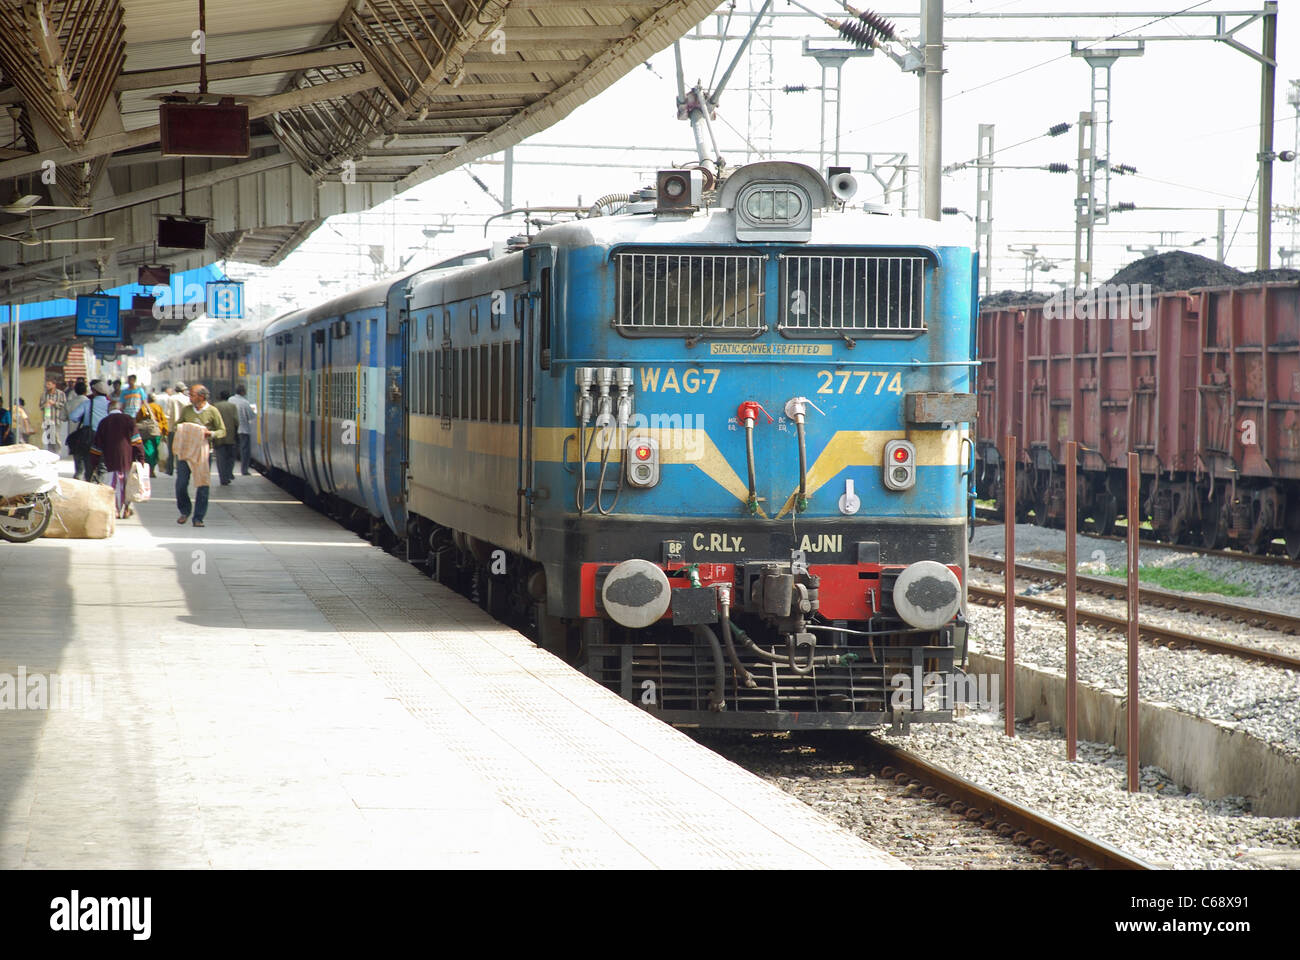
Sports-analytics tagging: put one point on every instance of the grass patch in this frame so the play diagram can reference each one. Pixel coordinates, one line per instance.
(1184, 580)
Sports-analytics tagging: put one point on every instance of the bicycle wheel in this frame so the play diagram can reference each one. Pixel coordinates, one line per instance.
(27, 519)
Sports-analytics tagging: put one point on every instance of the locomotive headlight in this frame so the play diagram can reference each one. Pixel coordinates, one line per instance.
(927, 595)
(899, 470)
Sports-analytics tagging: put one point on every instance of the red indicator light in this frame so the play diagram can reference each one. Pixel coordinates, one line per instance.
(643, 453)
(900, 454)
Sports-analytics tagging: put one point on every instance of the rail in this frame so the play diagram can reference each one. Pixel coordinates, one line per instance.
(1043, 835)
(1146, 631)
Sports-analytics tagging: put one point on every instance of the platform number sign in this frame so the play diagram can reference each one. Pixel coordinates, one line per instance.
(225, 299)
(98, 317)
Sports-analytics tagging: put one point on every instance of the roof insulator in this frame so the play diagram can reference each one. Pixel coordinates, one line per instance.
(878, 24)
(859, 34)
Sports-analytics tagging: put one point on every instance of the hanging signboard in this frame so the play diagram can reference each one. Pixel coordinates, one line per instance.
(97, 316)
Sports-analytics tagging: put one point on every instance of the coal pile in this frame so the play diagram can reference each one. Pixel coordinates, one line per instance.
(1178, 270)
(1276, 275)
(1011, 298)
(1166, 272)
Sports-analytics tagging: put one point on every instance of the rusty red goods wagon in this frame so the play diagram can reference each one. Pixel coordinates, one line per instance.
(1203, 384)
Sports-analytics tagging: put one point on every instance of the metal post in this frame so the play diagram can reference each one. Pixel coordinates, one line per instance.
(1071, 572)
(1219, 236)
(1267, 76)
(13, 359)
(762, 68)
(1085, 203)
(984, 205)
(932, 109)
(508, 189)
(1293, 98)
(1009, 580)
(1134, 527)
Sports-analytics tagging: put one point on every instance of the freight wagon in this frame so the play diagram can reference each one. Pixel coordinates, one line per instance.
(1204, 385)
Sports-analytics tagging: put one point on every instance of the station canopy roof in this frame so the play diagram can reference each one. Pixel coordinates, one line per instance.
(350, 102)
(53, 322)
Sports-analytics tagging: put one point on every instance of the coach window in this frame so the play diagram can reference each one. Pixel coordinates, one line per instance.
(464, 384)
(496, 383)
(507, 382)
(458, 384)
(484, 383)
(430, 382)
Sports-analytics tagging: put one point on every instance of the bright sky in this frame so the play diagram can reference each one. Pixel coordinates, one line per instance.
(1185, 114)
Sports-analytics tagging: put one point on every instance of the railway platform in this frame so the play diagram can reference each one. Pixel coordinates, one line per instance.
(271, 691)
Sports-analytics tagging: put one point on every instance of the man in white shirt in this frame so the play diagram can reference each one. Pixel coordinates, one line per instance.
(174, 401)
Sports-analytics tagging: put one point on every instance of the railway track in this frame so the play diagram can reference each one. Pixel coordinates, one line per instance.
(1050, 839)
(1118, 589)
(987, 515)
(1165, 636)
(926, 816)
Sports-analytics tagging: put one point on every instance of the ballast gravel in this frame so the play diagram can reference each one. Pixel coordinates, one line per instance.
(1274, 586)
(1162, 825)
(1262, 701)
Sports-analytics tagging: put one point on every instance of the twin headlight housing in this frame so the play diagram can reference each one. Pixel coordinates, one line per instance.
(898, 469)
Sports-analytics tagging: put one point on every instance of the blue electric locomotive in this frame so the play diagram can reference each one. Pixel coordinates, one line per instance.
(719, 451)
(715, 449)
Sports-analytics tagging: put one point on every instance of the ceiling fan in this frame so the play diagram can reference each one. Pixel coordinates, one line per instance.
(66, 283)
(32, 239)
(25, 203)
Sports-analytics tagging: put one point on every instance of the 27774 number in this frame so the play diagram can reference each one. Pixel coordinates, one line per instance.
(828, 378)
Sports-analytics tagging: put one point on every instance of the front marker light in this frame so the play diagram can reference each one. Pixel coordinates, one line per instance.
(899, 468)
(641, 462)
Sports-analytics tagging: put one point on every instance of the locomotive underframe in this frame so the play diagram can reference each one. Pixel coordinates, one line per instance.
(670, 671)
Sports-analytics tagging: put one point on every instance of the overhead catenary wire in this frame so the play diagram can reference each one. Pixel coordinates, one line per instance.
(1024, 70)
(1227, 249)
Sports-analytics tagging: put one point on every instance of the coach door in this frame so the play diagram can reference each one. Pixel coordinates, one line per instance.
(314, 411)
(532, 357)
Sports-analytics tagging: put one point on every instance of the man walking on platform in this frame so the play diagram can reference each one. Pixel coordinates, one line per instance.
(199, 424)
(89, 414)
(247, 419)
(173, 403)
(133, 398)
(54, 418)
(227, 446)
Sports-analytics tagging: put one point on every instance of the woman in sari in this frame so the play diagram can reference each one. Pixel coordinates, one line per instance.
(117, 443)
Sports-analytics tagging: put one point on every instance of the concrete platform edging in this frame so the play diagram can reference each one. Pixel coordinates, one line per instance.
(1207, 756)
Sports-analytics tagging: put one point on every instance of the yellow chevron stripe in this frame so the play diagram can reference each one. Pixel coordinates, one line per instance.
(866, 448)
(846, 448)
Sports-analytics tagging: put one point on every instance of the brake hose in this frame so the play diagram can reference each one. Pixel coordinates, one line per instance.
(716, 703)
(744, 675)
